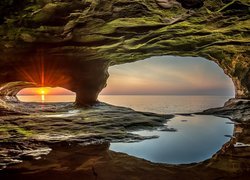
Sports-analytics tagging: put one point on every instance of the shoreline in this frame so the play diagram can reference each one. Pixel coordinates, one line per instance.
(98, 162)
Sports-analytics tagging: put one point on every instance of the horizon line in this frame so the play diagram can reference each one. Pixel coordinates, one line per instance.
(133, 94)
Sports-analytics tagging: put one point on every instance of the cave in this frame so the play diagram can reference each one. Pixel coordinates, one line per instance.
(174, 79)
(72, 44)
(78, 49)
(86, 78)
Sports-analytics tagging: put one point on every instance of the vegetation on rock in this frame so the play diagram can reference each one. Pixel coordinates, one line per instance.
(126, 31)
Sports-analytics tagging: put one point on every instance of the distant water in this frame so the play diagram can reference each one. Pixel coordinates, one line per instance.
(157, 104)
(47, 98)
(197, 137)
(166, 104)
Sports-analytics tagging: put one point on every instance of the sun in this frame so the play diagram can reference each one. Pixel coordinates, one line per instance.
(42, 91)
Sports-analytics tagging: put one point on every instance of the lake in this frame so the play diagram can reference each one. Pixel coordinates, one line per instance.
(165, 104)
(197, 138)
(158, 104)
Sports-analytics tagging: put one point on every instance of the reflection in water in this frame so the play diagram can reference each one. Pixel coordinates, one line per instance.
(157, 104)
(43, 97)
(34, 126)
(197, 139)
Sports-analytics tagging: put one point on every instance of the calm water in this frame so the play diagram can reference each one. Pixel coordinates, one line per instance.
(197, 138)
(46, 98)
(166, 104)
(157, 104)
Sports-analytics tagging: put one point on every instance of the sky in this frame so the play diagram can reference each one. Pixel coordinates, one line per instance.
(45, 91)
(162, 75)
(169, 75)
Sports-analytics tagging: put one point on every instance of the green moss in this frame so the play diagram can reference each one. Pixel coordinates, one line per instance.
(48, 11)
(212, 5)
(111, 27)
(13, 34)
(240, 71)
(19, 130)
(33, 8)
(23, 131)
(41, 17)
(225, 6)
(108, 32)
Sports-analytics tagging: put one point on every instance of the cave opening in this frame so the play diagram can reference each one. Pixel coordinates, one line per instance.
(46, 95)
(171, 84)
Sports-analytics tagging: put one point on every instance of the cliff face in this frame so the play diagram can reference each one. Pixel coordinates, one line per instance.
(72, 43)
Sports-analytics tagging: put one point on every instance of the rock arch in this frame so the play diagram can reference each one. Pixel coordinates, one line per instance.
(85, 78)
(78, 40)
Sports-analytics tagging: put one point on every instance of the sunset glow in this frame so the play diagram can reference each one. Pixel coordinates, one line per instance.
(43, 74)
(46, 91)
(43, 97)
(46, 95)
(42, 90)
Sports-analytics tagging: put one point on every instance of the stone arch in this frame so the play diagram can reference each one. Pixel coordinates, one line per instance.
(88, 78)
(85, 78)
(84, 38)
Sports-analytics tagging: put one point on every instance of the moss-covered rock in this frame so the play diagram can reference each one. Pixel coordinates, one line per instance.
(115, 32)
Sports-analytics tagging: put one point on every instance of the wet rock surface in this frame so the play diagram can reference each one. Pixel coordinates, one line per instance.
(236, 109)
(29, 128)
(82, 150)
(98, 162)
(233, 157)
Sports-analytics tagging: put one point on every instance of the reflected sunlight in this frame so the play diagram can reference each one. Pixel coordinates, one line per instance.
(43, 97)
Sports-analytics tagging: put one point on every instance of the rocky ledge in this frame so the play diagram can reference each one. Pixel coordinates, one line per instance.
(71, 142)
(236, 109)
(28, 130)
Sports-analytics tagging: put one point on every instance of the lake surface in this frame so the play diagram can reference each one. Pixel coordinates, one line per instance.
(47, 98)
(158, 104)
(197, 138)
(166, 104)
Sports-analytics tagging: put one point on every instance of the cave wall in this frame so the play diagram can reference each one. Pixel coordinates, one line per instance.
(40, 68)
(77, 40)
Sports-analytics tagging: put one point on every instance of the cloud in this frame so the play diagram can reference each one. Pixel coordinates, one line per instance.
(169, 75)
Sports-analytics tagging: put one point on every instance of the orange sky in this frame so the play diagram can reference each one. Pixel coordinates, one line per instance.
(45, 90)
